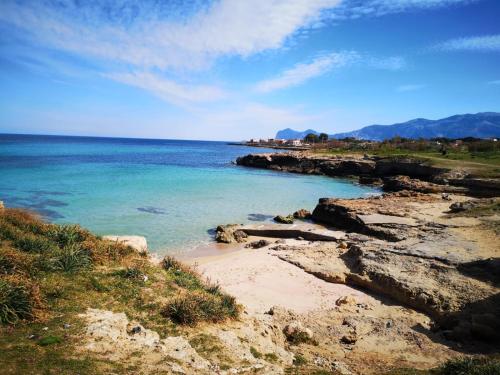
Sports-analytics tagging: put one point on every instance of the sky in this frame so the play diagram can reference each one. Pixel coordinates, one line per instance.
(240, 69)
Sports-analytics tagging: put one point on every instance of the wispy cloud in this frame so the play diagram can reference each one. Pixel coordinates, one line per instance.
(352, 9)
(303, 72)
(413, 87)
(496, 82)
(170, 90)
(387, 63)
(485, 43)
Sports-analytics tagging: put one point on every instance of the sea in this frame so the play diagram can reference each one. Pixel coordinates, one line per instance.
(173, 192)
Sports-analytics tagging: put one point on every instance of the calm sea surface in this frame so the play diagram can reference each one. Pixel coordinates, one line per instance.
(172, 192)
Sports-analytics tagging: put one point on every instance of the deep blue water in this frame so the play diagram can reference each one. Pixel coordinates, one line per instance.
(173, 192)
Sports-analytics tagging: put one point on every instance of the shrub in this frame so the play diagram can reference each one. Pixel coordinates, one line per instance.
(171, 263)
(65, 235)
(33, 243)
(15, 302)
(192, 307)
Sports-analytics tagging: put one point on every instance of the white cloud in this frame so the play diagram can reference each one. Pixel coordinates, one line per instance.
(145, 40)
(485, 43)
(414, 87)
(169, 90)
(388, 63)
(305, 71)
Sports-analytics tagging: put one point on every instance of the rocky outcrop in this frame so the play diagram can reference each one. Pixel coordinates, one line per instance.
(399, 183)
(381, 218)
(436, 266)
(371, 170)
(302, 214)
(138, 243)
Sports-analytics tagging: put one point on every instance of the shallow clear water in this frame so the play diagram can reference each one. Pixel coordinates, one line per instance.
(171, 192)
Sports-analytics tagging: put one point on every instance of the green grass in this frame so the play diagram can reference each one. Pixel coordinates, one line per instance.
(49, 274)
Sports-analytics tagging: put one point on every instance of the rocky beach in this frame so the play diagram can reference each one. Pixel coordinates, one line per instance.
(407, 278)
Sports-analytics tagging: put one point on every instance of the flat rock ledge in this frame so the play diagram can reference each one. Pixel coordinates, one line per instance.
(239, 233)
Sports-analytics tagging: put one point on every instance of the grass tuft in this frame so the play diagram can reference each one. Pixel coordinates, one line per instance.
(192, 307)
(15, 302)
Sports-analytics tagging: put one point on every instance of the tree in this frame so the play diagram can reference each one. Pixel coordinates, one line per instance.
(311, 138)
(323, 137)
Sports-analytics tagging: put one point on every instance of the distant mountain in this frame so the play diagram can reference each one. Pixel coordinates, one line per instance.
(293, 134)
(479, 125)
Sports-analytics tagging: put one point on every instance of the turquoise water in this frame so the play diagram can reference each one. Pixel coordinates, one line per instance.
(172, 192)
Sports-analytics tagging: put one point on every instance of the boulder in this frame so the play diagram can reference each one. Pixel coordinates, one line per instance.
(302, 214)
(230, 233)
(258, 244)
(284, 219)
(295, 332)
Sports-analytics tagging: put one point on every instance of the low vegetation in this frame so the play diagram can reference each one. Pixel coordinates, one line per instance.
(49, 274)
(459, 366)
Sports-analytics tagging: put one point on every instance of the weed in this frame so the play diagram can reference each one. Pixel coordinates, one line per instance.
(71, 258)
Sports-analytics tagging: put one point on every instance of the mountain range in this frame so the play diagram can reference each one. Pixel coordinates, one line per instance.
(479, 125)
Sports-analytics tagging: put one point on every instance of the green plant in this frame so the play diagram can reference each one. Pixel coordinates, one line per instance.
(299, 360)
(471, 366)
(15, 302)
(49, 340)
(65, 235)
(271, 357)
(255, 352)
(71, 258)
(171, 263)
(192, 307)
(130, 273)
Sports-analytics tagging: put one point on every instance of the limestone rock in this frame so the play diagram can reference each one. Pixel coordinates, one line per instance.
(296, 332)
(138, 243)
(230, 233)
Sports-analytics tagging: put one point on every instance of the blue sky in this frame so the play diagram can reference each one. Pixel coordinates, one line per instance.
(237, 69)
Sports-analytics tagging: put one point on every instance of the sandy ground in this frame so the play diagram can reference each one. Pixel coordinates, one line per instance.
(260, 280)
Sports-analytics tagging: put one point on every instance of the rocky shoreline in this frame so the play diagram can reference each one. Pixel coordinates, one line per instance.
(425, 246)
(393, 174)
